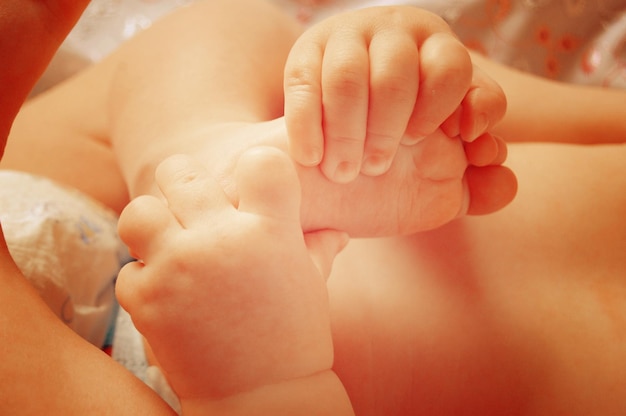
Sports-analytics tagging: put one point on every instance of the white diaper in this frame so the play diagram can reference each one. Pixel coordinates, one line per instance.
(66, 244)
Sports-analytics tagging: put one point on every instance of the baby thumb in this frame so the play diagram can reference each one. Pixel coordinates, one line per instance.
(323, 246)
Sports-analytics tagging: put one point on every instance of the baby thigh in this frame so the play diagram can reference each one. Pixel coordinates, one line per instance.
(519, 312)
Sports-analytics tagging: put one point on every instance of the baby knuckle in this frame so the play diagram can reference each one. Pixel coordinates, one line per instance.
(346, 140)
(298, 78)
(347, 82)
(398, 88)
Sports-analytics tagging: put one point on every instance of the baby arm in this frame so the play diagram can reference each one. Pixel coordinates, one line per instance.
(232, 299)
(359, 84)
(560, 112)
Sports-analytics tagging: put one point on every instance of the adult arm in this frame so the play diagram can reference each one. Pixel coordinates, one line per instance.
(45, 367)
(42, 25)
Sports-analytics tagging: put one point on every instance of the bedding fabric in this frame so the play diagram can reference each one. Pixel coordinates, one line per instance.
(579, 41)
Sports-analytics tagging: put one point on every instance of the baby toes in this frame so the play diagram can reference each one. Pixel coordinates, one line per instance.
(485, 150)
(439, 157)
(491, 188)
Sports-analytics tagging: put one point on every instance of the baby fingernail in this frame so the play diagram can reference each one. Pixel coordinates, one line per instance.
(465, 203)
(408, 140)
(375, 165)
(346, 172)
(310, 157)
(480, 126)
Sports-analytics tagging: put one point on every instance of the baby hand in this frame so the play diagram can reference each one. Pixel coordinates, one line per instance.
(229, 297)
(359, 84)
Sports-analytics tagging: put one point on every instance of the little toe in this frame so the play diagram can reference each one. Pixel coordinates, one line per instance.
(503, 151)
(439, 157)
(491, 188)
(483, 151)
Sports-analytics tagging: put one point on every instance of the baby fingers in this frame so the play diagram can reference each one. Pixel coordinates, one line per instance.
(303, 102)
(188, 189)
(445, 77)
(394, 75)
(345, 96)
(483, 106)
(141, 224)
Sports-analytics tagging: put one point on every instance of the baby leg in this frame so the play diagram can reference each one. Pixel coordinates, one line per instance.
(135, 109)
(429, 184)
(222, 105)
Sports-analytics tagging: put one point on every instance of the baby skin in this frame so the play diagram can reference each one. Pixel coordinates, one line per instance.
(345, 98)
(259, 338)
(362, 90)
(429, 183)
(228, 243)
(378, 152)
(386, 102)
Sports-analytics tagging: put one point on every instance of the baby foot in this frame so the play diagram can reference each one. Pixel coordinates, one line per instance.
(229, 297)
(429, 184)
